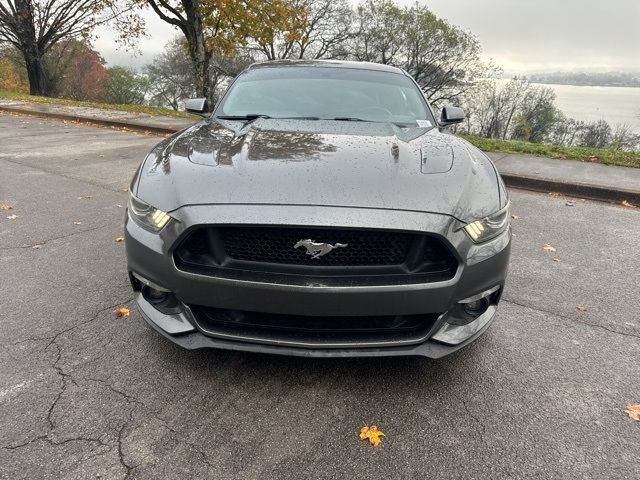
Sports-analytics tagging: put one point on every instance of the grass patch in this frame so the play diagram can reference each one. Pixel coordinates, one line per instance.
(104, 106)
(597, 155)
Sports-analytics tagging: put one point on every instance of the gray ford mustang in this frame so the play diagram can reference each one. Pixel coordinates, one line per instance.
(321, 210)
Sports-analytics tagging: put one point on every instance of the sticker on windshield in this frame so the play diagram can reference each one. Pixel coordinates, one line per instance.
(423, 123)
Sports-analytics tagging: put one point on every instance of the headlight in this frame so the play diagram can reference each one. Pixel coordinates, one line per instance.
(489, 227)
(147, 216)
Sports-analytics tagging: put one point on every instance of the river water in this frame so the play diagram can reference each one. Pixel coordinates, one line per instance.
(616, 105)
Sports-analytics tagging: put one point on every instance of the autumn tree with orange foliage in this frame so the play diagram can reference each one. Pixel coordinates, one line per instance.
(12, 75)
(216, 28)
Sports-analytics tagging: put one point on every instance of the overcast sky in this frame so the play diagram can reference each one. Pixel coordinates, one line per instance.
(519, 35)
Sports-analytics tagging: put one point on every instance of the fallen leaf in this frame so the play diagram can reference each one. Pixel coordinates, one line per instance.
(593, 158)
(554, 194)
(124, 189)
(556, 259)
(581, 308)
(85, 197)
(119, 239)
(548, 248)
(12, 217)
(37, 246)
(77, 223)
(6, 207)
(633, 411)
(515, 217)
(122, 312)
(626, 203)
(570, 204)
(372, 434)
(118, 205)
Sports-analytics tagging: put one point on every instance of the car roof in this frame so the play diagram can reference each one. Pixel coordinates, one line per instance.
(328, 63)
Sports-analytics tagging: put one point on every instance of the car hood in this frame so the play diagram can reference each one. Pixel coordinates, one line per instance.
(320, 163)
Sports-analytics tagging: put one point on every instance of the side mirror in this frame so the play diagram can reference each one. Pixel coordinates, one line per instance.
(451, 115)
(199, 106)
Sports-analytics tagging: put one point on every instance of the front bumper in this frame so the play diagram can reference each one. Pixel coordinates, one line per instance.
(481, 268)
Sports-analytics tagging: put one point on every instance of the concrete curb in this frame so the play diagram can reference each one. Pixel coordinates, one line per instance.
(592, 192)
(576, 189)
(144, 128)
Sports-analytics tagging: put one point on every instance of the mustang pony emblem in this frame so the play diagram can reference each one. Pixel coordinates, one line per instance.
(317, 250)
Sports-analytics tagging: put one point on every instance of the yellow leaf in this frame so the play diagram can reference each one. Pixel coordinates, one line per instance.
(122, 312)
(12, 217)
(37, 246)
(581, 308)
(633, 410)
(554, 194)
(119, 239)
(6, 207)
(515, 217)
(77, 223)
(626, 203)
(548, 248)
(372, 434)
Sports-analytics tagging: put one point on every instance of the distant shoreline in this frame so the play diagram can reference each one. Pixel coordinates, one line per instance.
(537, 82)
(583, 79)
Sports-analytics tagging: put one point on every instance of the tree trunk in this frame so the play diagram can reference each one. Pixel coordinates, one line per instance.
(198, 51)
(36, 74)
(31, 52)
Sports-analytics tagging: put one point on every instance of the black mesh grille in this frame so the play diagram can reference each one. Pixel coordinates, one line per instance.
(270, 250)
(276, 245)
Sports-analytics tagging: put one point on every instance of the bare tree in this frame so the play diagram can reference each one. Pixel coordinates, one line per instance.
(442, 58)
(329, 26)
(34, 27)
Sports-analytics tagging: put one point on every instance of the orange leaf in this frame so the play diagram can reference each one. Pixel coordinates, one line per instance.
(548, 248)
(119, 239)
(581, 308)
(372, 434)
(122, 312)
(6, 207)
(633, 411)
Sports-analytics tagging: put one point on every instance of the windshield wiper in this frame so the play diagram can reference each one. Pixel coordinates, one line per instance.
(349, 119)
(250, 116)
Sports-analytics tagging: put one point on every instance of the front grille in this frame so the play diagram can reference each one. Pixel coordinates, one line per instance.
(316, 331)
(270, 250)
(275, 245)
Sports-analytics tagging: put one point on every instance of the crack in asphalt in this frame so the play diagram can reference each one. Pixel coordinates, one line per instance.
(66, 378)
(61, 237)
(179, 436)
(571, 319)
(481, 431)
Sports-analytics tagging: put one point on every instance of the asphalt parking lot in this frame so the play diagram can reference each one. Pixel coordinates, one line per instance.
(84, 394)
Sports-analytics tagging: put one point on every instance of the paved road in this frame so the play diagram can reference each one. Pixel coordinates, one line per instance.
(84, 394)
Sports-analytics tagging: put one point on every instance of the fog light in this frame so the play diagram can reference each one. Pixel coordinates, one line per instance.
(477, 307)
(156, 295)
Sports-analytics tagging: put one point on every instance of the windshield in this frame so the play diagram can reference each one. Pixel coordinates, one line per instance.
(326, 93)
